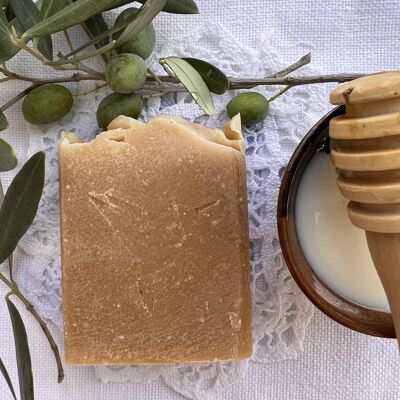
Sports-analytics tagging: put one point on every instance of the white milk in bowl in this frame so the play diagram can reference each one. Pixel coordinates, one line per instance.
(336, 250)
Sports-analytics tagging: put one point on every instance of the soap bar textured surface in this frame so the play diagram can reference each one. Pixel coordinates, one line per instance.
(155, 250)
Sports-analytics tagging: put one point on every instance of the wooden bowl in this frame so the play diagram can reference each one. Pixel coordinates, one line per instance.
(352, 315)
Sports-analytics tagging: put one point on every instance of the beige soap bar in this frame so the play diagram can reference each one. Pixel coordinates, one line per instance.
(155, 254)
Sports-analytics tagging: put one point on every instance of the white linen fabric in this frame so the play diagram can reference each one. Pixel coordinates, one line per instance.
(244, 38)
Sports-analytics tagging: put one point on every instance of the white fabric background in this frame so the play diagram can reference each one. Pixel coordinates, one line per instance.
(343, 36)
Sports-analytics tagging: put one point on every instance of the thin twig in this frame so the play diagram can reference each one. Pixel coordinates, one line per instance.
(151, 96)
(12, 75)
(37, 82)
(77, 77)
(81, 67)
(275, 96)
(170, 78)
(151, 87)
(10, 268)
(291, 68)
(106, 57)
(21, 44)
(248, 83)
(18, 97)
(89, 70)
(4, 68)
(306, 59)
(69, 39)
(78, 59)
(29, 306)
(7, 78)
(93, 89)
(154, 76)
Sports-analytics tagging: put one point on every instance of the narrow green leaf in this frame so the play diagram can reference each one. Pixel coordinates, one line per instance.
(143, 17)
(90, 54)
(22, 353)
(6, 376)
(26, 12)
(3, 121)
(97, 25)
(20, 204)
(47, 9)
(8, 10)
(8, 160)
(116, 28)
(50, 7)
(180, 7)
(1, 193)
(118, 3)
(7, 49)
(45, 46)
(215, 79)
(172, 6)
(28, 15)
(192, 81)
(70, 15)
(11, 258)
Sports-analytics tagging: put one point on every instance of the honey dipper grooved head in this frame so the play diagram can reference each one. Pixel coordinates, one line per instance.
(365, 148)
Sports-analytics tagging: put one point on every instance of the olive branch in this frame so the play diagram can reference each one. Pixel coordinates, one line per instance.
(28, 27)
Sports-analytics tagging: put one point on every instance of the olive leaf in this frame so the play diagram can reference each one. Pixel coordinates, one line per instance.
(28, 15)
(192, 81)
(47, 9)
(11, 258)
(215, 79)
(118, 3)
(70, 15)
(179, 6)
(26, 12)
(172, 6)
(97, 25)
(75, 60)
(6, 376)
(116, 28)
(24, 364)
(3, 121)
(9, 11)
(8, 160)
(50, 7)
(143, 17)
(7, 49)
(45, 46)
(101, 36)
(20, 204)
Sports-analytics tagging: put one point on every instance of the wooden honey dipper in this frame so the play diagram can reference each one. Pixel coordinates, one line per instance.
(365, 149)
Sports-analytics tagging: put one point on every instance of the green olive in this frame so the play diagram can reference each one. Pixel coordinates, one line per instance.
(116, 104)
(252, 106)
(143, 43)
(126, 73)
(46, 104)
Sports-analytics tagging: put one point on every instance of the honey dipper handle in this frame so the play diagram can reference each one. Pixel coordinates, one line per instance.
(385, 252)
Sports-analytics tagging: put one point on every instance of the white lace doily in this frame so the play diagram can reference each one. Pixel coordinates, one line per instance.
(281, 313)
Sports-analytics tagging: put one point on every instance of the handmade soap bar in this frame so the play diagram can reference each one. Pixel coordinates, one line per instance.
(155, 254)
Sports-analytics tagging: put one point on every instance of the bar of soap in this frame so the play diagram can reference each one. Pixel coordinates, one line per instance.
(155, 255)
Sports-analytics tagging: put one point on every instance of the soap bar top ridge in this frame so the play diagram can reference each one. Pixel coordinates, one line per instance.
(154, 237)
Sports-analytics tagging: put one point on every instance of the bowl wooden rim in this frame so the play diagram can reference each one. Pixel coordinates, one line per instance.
(351, 315)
